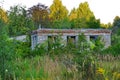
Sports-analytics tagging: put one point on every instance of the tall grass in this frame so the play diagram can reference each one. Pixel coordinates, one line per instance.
(63, 67)
(110, 65)
(43, 68)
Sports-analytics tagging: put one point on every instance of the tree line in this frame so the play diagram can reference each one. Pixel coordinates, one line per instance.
(21, 21)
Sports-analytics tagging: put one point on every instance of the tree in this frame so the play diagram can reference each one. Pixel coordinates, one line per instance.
(19, 22)
(116, 21)
(93, 23)
(77, 22)
(61, 24)
(3, 15)
(80, 23)
(116, 25)
(59, 15)
(115, 32)
(39, 14)
(73, 14)
(106, 26)
(85, 17)
(84, 11)
(58, 11)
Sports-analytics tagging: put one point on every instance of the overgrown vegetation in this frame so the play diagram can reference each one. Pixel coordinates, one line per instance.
(55, 60)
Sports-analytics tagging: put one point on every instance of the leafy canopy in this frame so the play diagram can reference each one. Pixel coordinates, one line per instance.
(39, 14)
(58, 11)
(84, 11)
(83, 17)
(73, 14)
(19, 22)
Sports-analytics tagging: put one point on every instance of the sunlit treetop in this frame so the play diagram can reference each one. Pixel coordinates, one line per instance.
(73, 14)
(58, 11)
(84, 11)
(3, 15)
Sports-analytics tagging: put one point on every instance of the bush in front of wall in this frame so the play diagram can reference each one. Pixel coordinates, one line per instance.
(114, 50)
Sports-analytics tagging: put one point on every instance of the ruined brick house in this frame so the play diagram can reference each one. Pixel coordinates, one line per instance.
(41, 35)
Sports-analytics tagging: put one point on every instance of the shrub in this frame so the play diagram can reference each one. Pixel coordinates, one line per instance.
(22, 49)
(114, 50)
(6, 53)
(86, 65)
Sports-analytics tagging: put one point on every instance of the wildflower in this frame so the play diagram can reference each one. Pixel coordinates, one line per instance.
(115, 73)
(106, 78)
(100, 71)
(6, 70)
(118, 75)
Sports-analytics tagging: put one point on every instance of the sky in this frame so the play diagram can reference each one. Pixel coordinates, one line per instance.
(105, 10)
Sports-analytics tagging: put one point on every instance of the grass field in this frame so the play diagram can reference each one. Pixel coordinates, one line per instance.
(62, 68)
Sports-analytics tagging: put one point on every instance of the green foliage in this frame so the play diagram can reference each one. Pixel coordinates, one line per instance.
(86, 65)
(115, 39)
(6, 53)
(40, 49)
(19, 23)
(55, 45)
(99, 45)
(61, 24)
(22, 49)
(116, 26)
(114, 50)
(17, 60)
(83, 17)
(116, 21)
(93, 23)
(106, 26)
(82, 44)
(80, 23)
(29, 68)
